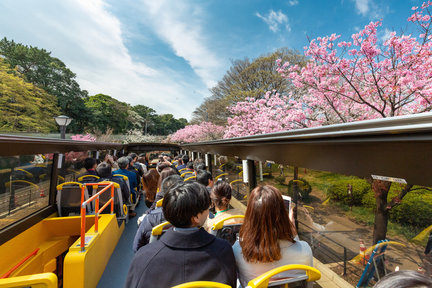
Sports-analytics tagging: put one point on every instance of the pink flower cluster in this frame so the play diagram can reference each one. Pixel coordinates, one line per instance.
(272, 113)
(365, 78)
(80, 137)
(205, 131)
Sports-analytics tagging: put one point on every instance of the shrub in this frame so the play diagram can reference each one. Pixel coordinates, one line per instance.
(339, 191)
(304, 188)
(280, 180)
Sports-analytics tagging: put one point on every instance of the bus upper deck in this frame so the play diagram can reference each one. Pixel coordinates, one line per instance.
(31, 169)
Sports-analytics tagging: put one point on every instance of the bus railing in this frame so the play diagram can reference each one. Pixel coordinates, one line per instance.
(97, 210)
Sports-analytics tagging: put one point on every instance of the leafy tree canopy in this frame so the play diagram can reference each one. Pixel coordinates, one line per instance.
(51, 74)
(23, 106)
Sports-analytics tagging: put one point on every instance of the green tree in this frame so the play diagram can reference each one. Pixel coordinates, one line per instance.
(51, 74)
(247, 78)
(108, 113)
(23, 106)
(148, 114)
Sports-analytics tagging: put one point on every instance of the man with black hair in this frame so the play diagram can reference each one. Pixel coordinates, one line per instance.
(105, 173)
(205, 178)
(187, 249)
(183, 161)
(154, 215)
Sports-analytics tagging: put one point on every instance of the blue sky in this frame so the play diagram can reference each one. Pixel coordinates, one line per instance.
(167, 54)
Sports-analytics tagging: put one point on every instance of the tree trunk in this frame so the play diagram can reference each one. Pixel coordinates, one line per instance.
(381, 189)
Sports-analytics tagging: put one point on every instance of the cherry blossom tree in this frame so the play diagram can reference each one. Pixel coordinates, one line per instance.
(345, 81)
(204, 131)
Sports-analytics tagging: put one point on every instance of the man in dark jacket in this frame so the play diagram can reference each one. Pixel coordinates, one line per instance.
(185, 252)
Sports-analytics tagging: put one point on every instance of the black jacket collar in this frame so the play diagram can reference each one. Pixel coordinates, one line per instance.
(194, 240)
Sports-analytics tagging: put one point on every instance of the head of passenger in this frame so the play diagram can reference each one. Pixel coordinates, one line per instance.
(164, 174)
(404, 279)
(169, 182)
(221, 195)
(200, 166)
(133, 156)
(150, 182)
(161, 166)
(189, 165)
(104, 170)
(205, 178)
(265, 210)
(90, 163)
(185, 159)
(186, 205)
(123, 162)
(131, 161)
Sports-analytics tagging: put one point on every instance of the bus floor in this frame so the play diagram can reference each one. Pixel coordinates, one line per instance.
(117, 268)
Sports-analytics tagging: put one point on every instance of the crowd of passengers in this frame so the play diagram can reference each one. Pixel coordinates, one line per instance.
(267, 238)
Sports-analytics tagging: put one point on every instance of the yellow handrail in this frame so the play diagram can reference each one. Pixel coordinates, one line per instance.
(218, 225)
(87, 176)
(220, 175)
(191, 177)
(202, 284)
(235, 181)
(41, 280)
(7, 184)
(157, 230)
(262, 281)
(159, 203)
(25, 172)
(60, 186)
(124, 177)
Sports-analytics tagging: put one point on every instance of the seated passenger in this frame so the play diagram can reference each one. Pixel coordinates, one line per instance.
(105, 173)
(184, 160)
(220, 196)
(90, 165)
(155, 216)
(186, 252)
(268, 237)
(205, 178)
(404, 279)
(123, 163)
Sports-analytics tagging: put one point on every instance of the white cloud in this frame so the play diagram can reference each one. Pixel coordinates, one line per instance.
(362, 6)
(90, 40)
(179, 24)
(386, 34)
(293, 2)
(274, 19)
(370, 9)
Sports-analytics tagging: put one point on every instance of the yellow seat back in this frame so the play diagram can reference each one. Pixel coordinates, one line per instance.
(157, 230)
(190, 178)
(42, 280)
(86, 177)
(262, 281)
(202, 284)
(159, 203)
(218, 225)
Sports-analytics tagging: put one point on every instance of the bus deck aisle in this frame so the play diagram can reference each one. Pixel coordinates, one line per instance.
(117, 268)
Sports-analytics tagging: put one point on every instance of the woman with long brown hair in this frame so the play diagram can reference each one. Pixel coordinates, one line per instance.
(150, 182)
(268, 238)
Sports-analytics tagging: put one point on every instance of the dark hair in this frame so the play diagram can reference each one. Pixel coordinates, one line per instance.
(200, 166)
(203, 177)
(404, 279)
(221, 194)
(150, 182)
(168, 171)
(183, 202)
(89, 163)
(161, 166)
(189, 165)
(104, 170)
(129, 158)
(169, 182)
(265, 210)
(123, 162)
(133, 155)
(185, 159)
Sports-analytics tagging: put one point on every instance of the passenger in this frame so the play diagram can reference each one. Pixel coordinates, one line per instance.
(268, 237)
(110, 160)
(105, 173)
(200, 166)
(186, 252)
(404, 279)
(205, 178)
(184, 160)
(155, 216)
(123, 163)
(142, 162)
(190, 166)
(150, 184)
(134, 170)
(136, 165)
(90, 165)
(220, 197)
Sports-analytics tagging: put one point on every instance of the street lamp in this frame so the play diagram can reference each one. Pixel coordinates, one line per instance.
(63, 121)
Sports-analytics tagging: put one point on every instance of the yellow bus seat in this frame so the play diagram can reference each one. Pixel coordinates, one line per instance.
(88, 178)
(263, 281)
(69, 199)
(202, 284)
(158, 230)
(118, 200)
(183, 169)
(41, 280)
(220, 175)
(132, 206)
(227, 232)
(186, 173)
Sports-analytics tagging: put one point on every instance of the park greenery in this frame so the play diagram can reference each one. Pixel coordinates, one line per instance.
(39, 86)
